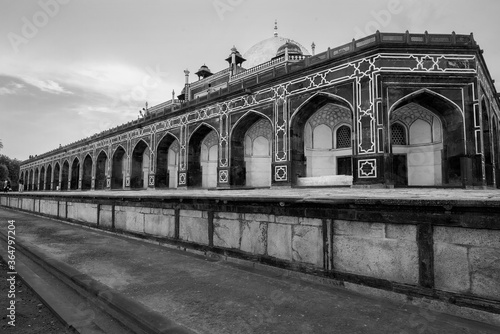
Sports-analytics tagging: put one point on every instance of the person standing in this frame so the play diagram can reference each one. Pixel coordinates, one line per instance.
(21, 186)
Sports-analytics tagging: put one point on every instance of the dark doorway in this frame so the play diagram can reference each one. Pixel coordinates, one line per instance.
(57, 171)
(48, 178)
(162, 173)
(195, 173)
(117, 171)
(344, 166)
(75, 174)
(87, 173)
(42, 178)
(400, 170)
(100, 171)
(65, 175)
(139, 163)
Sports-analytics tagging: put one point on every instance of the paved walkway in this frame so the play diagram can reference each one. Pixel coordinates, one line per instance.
(341, 193)
(212, 296)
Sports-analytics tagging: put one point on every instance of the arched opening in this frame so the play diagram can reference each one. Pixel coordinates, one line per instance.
(101, 167)
(496, 151)
(35, 181)
(140, 166)
(30, 180)
(118, 169)
(65, 175)
(321, 133)
(42, 178)
(427, 141)
(21, 179)
(48, 178)
(251, 151)
(488, 157)
(75, 174)
(203, 156)
(167, 157)
(57, 171)
(87, 173)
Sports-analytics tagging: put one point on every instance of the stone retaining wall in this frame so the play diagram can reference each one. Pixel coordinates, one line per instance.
(419, 250)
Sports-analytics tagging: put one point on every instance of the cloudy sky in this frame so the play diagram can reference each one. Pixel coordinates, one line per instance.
(72, 68)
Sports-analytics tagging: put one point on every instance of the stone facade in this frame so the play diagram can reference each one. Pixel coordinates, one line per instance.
(435, 88)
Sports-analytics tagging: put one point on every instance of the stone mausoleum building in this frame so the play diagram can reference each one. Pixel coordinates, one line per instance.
(390, 109)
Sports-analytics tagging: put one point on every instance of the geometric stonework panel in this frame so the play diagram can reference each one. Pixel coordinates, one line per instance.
(367, 168)
(280, 173)
(182, 178)
(330, 115)
(151, 180)
(108, 183)
(261, 128)
(223, 176)
(127, 181)
(410, 113)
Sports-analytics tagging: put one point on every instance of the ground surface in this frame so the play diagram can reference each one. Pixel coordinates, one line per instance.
(31, 315)
(213, 296)
(306, 194)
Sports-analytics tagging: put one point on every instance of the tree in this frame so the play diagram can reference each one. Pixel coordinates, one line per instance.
(1, 145)
(13, 167)
(4, 172)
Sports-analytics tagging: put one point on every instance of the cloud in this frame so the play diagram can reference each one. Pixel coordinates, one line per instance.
(11, 89)
(48, 86)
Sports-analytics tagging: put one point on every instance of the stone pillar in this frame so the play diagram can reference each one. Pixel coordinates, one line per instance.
(223, 174)
(182, 168)
(281, 165)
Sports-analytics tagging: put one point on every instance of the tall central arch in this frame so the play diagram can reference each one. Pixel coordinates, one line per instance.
(118, 169)
(140, 166)
(321, 132)
(251, 140)
(167, 156)
(435, 142)
(203, 157)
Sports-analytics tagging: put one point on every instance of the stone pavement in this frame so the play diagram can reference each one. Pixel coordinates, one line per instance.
(307, 194)
(209, 295)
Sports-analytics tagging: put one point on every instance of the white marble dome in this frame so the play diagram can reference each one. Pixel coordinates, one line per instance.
(266, 50)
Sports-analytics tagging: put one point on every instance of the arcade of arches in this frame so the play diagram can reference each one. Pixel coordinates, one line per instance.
(426, 147)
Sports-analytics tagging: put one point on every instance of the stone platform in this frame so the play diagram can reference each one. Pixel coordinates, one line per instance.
(208, 293)
(439, 247)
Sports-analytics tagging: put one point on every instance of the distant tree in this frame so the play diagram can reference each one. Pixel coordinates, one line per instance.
(1, 145)
(4, 172)
(13, 168)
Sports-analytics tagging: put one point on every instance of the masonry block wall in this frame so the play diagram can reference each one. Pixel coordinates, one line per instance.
(447, 251)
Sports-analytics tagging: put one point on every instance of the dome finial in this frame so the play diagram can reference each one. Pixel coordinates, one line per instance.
(275, 28)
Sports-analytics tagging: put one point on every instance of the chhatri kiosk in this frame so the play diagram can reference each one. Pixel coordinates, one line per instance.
(387, 110)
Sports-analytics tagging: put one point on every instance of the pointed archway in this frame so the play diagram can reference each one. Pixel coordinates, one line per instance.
(35, 180)
(75, 174)
(487, 143)
(100, 171)
(251, 140)
(87, 173)
(43, 184)
(321, 136)
(167, 156)
(203, 157)
(140, 166)
(48, 177)
(118, 169)
(57, 171)
(65, 175)
(435, 141)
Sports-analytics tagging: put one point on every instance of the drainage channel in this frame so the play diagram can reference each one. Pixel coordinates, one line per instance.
(79, 302)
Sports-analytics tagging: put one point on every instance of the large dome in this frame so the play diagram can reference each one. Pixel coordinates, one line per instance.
(266, 50)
